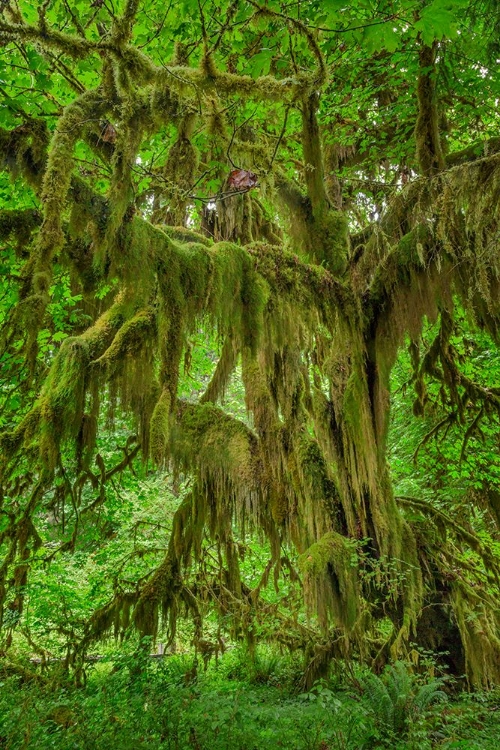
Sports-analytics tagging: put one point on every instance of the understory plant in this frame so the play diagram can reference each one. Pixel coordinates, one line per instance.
(398, 701)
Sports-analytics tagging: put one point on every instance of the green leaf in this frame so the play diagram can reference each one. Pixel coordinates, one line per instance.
(260, 64)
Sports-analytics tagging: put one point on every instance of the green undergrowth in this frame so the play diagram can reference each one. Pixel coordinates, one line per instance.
(245, 702)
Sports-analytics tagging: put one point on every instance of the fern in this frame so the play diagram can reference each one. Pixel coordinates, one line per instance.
(396, 700)
(428, 694)
(399, 685)
(379, 700)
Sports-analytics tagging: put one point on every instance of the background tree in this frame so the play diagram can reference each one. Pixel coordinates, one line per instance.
(135, 137)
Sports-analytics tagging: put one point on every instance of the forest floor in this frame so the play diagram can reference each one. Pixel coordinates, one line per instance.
(130, 703)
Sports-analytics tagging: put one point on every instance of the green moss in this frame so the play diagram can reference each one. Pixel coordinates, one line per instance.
(329, 241)
(331, 580)
(160, 428)
(321, 488)
(62, 399)
(158, 596)
(182, 234)
(57, 177)
(24, 151)
(478, 624)
(313, 158)
(20, 224)
(429, 151)
(59, 410)
(223, 371)
(220, 447)
(130, 338)
(186, 81)
(179, 174)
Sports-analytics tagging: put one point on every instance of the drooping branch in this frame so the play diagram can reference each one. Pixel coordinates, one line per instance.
(58, 411)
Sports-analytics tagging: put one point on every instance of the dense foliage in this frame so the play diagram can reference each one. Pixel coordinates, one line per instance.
(247, 703)
(232, 235)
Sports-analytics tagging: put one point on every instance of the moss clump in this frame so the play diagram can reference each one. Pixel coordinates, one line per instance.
(182, 234)
(187, 81)
(329, 241)
(478, 624)
(20, 224)
(130, 338)
(221, 448)
(160, 428)
(331, 580)
(179, 174)
(62, 399)
(24, 151)
(57, 176)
